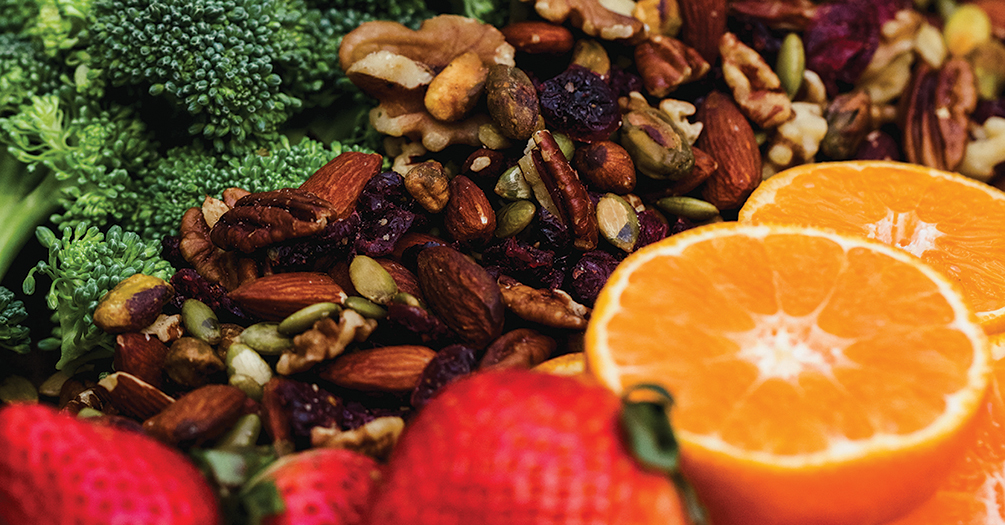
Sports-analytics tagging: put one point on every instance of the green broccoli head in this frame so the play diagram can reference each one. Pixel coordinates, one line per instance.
(185, 176)
(83, 265)
(13, 336)
(16, 14)
(25, 71)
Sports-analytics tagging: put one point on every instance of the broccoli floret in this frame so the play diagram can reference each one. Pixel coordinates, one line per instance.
(13, 336)
(25, 71)
(16, 14)
(83, 266)
(68, 162)
(185, 176)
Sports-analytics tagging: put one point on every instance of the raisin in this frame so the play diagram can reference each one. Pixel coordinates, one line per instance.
(580, 104)
(450, 363)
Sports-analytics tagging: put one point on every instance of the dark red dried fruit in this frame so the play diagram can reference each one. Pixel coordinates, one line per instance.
(580, 104)
(590, 274)
(309, 406)
(188, 284)
(450, 363)
(651, 228)
(841, 41)
(878, 145)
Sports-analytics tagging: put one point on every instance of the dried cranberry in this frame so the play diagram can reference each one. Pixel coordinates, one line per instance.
(548, 232)
(188, 284)
(681, 224)
(377, 236)
(522, 261)
(580, 104)
(309, 406)
(623, 82)
(383, 190)
(987, 109)
(355, 414)
(878, 145)
(841, 40)
(448, 364)
(651, 228)
(317, 252)
(590, 274)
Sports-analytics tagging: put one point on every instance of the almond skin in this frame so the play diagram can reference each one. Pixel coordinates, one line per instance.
(141, 355)
(199, 416)
(462, 294)
(342, 179)
(703, 23)
(729, 139)
(535, 37)
(385, 369)
(469, 216)
(274, 297)
(134, 397)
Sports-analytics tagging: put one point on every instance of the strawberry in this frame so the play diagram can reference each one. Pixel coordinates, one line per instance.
(519, 447)
(322, 486)
(57, 469)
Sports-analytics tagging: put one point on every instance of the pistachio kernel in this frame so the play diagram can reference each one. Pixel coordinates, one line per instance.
(655, 145)
(371, 280)
(617, 221)
(200, 321)
(513, 217)
(192, 362)
(133, 304)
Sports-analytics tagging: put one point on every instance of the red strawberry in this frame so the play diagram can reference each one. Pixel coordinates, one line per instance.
(520, 447)
(57, 469)
(322, 486)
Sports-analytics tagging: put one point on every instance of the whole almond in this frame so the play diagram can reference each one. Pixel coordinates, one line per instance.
(729, 139)
(403, 277)
(520, 348)
(469, 216)
(385, 369)
(462, 294)
(342, 179)
(536, 36)
(702, 24)
(141, 355)
(274, 297)
(134, 397)
(199, 416)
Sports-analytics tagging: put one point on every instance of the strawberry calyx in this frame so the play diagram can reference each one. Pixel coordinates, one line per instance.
(645, 419)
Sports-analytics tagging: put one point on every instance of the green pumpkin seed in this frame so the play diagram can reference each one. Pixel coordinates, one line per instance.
(365, 307)
(408, 299)
(565, 144)
(16, 389)
(371, 280)
(617, 221)
(513, 217)
(248, 385)
(690, 207)
(201, 322)
(791, 64)
(302, 320)
(244, 433)
(266, 339)
(88, 412)
(512, 186)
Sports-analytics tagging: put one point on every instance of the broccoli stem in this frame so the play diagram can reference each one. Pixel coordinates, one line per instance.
(23, 207)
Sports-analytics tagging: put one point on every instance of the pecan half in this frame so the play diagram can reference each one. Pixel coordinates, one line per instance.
(790, 15)
(938, 105)
(262, 219)
(197, 248)
(666, 63)
(520, 348)
(553, 308)
(594, 19)
(566, 190)
(756, 88)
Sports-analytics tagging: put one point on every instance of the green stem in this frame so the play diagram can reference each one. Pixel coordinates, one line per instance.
(20, 214)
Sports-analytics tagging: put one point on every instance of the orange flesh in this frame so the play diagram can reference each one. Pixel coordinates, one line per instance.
(952, 226)
(725, 319)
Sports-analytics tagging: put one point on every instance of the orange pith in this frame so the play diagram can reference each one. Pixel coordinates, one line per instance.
(818, 377)
(974, 491)
(950, 221)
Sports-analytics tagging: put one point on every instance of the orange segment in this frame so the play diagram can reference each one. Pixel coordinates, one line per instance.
(950, 221)
(819, 378)
(974, 492)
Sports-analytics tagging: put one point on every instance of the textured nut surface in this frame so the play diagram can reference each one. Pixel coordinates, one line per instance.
(594, 19)
(262, 219)
(536, 36)
(198, 416)
(756, 87)
(605, 166)
(326, 340)
(140, 355)
(429, 185)
(454, 92)
(385, 369)
(468, 216)
(512, 101)
(729, 139)
(520, 348)
(666, 63)
(553, 308)
(937, 111)
(274, 297)
(461, 293)
(567, 192)
(703, 22)
(376, 438)
(210, 261)
(133, 396)
(193, 363)
(132, 304)
(341, 180)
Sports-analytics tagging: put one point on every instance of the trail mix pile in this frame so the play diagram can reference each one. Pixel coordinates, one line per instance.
(521, 165)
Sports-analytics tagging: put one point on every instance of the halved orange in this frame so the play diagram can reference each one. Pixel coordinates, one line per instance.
(819, 378)
(974, 491)
(952, 222)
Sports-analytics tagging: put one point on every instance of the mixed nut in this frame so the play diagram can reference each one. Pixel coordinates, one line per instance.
(526, 162)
